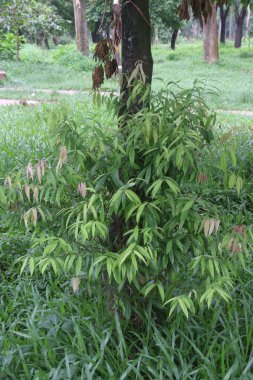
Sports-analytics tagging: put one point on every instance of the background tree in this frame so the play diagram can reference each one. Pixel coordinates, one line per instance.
(224, 12)
(44, 23)
(65, 9)
(240, 8)
(207, 11)
(14, 15)
(81, 27)
(164, 15)
(99, 16)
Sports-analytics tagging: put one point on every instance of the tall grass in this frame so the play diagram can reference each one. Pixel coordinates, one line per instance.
(47, 332)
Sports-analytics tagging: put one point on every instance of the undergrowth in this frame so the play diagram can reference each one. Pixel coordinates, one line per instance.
(144, 238)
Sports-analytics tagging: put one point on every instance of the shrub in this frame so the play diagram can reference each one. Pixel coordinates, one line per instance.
(7, 46)
(135, 207)
(68, 56)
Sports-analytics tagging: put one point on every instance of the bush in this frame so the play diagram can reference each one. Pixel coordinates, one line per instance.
(67, 55)
(7, 46)
(139, 208)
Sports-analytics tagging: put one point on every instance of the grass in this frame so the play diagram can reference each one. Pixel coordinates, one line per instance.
(24, 130)
(230, 77)
(47, 332)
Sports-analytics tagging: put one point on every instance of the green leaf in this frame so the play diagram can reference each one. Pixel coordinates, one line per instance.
(232, 157)
(223, 162)
(78, 264)
(31, 265)
(239, 184)
(232, 181)
(183, 307)
(161, 290)
(23, 265)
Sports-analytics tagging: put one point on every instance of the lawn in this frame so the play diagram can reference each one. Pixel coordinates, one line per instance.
(229, 80)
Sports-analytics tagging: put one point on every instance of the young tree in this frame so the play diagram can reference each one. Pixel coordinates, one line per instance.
(81, 27)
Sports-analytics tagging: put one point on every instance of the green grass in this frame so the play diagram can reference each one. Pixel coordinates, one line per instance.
(23, 137)
(24, 130)
(231, 77)
(47, 332)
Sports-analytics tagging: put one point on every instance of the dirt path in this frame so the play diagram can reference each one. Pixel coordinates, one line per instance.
(10, 102)
(50, 91)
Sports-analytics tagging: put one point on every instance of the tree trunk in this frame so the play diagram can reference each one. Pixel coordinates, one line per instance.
(210, 35)
(195, 29)
(239, 18)
(136, 45)
(117, 29)
(95, 34)
(248, 21)
(56, 40)
(223, 20)
(173, 39)
(230, 35)
(156, 35)
(46, 43)
(82, 38)
(201, 23)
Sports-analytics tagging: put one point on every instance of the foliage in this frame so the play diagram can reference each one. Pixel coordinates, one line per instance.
(13, 16)
(7, 46)
(67, 55)
(135, 203)
(44, 22)
(49, 332)
(164, 14)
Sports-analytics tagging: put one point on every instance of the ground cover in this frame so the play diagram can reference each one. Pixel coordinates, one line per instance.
(48, 332)
(229, 78)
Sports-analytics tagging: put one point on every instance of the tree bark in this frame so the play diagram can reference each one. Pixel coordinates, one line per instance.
(210, 36)
(223, 19)
(136, 45)
(173, 39)
(248, 21)
(230, 34)
(82, 38)
(156, 35)
(195, 29)
(239, 18)
(95, 34)
(46, 43)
